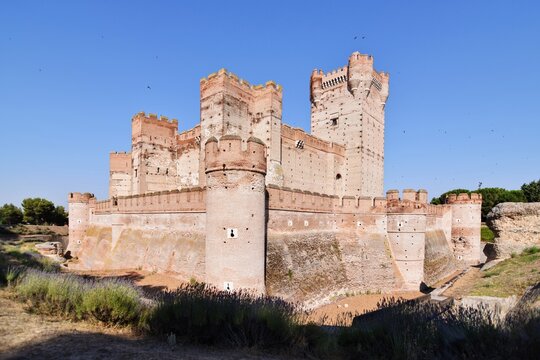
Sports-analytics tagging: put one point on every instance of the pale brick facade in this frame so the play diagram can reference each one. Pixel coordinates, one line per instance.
(245, 201)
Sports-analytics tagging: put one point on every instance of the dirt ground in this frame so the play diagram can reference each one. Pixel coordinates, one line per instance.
(145, 279)
(29, 336)
(341, 312)
(464, 284)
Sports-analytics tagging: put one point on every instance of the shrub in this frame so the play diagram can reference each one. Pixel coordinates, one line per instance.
(203, 314)
(112, 302)
(486, 234)
(531, 250)
(108, 301)
(12, 274)
(52, 293)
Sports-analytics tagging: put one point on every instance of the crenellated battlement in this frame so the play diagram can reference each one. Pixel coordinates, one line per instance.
(77, 197)
(420, 196)
(284, 198)
(464, 198)
(232, 78)
(296, 134)
(152, 118)
(228, 154)
(412, 201)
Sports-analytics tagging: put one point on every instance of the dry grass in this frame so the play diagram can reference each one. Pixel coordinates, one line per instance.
(510, 277)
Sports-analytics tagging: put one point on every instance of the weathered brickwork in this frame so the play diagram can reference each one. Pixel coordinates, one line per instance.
(245, 201)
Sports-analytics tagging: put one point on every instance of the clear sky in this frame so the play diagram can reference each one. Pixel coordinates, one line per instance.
(464, 81)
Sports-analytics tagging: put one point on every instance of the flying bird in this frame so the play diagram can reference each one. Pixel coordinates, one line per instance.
(148, 87)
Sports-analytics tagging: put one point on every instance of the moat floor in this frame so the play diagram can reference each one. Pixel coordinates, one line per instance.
(339, 312)
(29, 336)
(342, 311)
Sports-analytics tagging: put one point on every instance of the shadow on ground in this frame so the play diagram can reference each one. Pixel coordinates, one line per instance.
(104, 346)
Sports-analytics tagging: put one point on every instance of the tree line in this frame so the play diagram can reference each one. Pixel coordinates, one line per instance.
(492, 196)
(35, 211)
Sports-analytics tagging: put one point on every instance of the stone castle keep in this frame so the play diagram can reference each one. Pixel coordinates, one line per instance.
(245, 201)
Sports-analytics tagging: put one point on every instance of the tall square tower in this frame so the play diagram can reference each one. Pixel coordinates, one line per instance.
(347, 107)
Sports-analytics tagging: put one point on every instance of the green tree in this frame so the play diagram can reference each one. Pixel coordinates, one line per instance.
(532, 191)
(10, 215)
(38, 211)
(494, 196)
(60, 216)
(442, 198)
(490, 197)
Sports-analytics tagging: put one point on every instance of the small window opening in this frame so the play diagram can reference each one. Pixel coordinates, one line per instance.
(334, 121)
(338, 176)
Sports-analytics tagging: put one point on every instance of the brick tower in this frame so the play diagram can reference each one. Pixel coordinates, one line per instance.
(347, 107)
(466, 221)
(235, 213)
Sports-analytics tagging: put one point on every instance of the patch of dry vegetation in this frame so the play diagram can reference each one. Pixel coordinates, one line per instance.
(511, 276)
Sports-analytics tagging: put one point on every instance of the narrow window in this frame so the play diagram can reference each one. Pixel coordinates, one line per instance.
(334, 121)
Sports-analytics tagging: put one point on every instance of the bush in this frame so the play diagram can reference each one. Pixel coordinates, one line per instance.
(52, 293)
(112, 302)
(203, 314)
(531, 250)
(422, 330)
(108, 301)
(486, 234)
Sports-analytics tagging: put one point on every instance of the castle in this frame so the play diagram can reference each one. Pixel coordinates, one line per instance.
(244, 201)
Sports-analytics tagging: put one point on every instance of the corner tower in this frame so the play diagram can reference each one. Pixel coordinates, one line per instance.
(347, 107)
(79, 217)
(466, 222)
(235, 213)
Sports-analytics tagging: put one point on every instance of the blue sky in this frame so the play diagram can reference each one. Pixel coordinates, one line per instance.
(464, 81)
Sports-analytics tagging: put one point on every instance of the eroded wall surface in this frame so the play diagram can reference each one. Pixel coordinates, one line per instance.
(516, 227)
(163, 243)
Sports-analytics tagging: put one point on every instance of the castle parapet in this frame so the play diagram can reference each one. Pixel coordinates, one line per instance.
(464, 198)
(155, 120)
(77, 197)
(226, 78)
(412, 201)
(227, 154)
(296, 134)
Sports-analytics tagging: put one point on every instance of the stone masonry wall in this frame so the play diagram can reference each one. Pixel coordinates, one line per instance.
(516, 227)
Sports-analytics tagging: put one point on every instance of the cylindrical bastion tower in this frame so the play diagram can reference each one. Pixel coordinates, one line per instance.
(466, 222)
(79, 214)
(407, 234)
(235, 213)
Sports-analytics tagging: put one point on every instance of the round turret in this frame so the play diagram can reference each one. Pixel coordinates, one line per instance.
(466, 223)
(235, 213)
(79, 214)
(316, 87)
(360, 71)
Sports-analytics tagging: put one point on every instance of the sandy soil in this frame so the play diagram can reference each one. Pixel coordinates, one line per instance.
(145, 279)
(341, 312)
(29, 336)
(463, 285)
